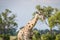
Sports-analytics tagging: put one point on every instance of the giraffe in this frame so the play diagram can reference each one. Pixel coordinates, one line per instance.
(25, 33)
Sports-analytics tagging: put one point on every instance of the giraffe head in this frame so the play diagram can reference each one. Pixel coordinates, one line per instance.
(40, 15)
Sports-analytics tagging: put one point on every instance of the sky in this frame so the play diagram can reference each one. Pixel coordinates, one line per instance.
(24, 9)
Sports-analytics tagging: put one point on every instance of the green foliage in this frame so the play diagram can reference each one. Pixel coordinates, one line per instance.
(47, 11)
(57, 15)
(12, 31)
(46, 37)
(36, 35)
(57, 37)
(1, 35)
(38, 7)
(7, 20)
(6, 37)
(51, 21)
(54, 19)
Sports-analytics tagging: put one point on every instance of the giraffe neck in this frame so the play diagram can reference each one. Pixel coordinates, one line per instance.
(32, 23)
